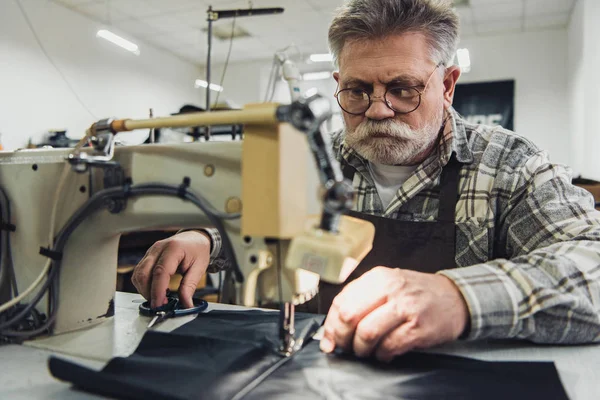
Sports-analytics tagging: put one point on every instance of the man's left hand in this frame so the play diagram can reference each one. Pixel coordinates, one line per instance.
(389, 311)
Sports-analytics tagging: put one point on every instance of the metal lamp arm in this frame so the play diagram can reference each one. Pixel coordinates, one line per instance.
(307, 115)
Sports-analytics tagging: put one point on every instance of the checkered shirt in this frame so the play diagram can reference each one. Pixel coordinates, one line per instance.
(527, 240)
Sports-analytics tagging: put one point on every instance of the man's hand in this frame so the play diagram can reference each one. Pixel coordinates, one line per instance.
(389, 311)
(187, 253)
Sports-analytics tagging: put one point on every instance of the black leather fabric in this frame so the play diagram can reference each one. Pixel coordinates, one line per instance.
(214, 356)
(220, 355)
(423, 376)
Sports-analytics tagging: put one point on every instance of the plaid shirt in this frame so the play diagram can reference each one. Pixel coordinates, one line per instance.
(527, 240)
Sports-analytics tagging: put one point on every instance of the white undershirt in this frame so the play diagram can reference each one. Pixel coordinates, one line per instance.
(388, 179)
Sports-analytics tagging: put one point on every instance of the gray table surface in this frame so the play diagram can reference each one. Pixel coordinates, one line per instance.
(24, 373)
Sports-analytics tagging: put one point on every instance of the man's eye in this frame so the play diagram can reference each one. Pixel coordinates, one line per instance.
(401, 92)
(357, 93)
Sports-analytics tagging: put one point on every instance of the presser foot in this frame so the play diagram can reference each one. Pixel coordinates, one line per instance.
(288, 342)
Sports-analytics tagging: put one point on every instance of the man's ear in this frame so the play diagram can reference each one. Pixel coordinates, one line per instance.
(450, 78)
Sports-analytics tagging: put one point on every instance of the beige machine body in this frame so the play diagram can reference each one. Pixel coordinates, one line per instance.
(264, 177)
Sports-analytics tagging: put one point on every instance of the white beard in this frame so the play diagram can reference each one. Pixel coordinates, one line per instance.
(400, 144)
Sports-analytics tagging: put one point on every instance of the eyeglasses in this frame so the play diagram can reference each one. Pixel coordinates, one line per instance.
(400, 99)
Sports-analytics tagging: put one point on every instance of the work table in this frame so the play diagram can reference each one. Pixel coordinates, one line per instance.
(24, 373)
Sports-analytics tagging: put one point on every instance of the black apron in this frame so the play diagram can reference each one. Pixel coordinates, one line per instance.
(418, 246)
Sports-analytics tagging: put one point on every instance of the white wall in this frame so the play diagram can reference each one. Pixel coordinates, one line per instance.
(537, 63)
(109, 80)
(584, 88)
(247, 83)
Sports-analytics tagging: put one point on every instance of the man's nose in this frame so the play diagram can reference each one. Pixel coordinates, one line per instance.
(379, 110)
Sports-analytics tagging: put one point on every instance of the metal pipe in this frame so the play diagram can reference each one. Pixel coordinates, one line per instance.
(287, 331)
(210, 22)
(259, 114)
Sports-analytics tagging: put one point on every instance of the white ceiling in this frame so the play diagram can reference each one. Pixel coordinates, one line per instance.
(177, 25)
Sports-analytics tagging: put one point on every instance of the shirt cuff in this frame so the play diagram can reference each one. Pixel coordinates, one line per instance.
(215, 241)
(217, 262)
(491, 297)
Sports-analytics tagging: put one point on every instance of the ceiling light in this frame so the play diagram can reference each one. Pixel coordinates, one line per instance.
(321, 57)
(119, 41)
(464, 60)
(316, 76)
(200, 83)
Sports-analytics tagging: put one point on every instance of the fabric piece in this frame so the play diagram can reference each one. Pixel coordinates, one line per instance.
(214, 356)
(220, 354)
(388, 179)
(424, 376)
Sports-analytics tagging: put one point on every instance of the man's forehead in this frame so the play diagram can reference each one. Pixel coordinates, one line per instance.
(407, 53)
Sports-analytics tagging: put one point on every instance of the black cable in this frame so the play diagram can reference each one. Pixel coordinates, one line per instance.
(9, 256)
(226, 64)
(96, 202)
(6, 262)
(4, 273)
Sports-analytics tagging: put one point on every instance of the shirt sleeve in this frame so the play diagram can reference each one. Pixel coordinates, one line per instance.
(547, 288)
(218, 262)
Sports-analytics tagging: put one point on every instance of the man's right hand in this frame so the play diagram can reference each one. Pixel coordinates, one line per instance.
(187, 253)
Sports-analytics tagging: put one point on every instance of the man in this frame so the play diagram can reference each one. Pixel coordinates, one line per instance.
(478, 235)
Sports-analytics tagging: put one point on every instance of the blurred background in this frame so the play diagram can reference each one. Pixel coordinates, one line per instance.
(530, 64)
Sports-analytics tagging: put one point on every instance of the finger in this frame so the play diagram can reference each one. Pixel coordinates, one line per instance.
(376, 325)
(398, 341)
(189, 283)
(142, 273)
(335, 332)
(359, 297)
(355, 301)
(165, 266)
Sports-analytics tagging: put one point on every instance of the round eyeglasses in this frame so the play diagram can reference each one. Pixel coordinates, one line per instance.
(400, 99)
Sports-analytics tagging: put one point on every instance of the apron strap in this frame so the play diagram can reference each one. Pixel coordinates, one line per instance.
(347, 170)
(449, 190)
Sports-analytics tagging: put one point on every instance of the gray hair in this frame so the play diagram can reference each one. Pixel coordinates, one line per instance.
(375, 19)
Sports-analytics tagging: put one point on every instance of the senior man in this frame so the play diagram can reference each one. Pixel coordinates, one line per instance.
(478, 235)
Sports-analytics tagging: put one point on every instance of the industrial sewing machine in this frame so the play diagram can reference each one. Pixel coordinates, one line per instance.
(69, 208)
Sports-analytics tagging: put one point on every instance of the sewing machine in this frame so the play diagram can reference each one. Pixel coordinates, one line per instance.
(254, 190)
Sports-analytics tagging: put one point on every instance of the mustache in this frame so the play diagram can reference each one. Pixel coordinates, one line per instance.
(386, 128)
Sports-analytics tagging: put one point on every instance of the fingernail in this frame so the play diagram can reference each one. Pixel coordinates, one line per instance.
(326, 345)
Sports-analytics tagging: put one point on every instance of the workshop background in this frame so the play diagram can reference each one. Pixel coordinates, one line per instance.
(548, 47)
(57, 74)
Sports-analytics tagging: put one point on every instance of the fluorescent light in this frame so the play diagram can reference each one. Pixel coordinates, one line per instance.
(464, 60)
(321, 57)
(200, 83)
(316, 76)
(119, 41)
